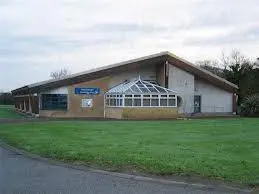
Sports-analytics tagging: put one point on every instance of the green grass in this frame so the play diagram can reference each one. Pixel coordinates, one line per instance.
(226, 149)
(7, 111)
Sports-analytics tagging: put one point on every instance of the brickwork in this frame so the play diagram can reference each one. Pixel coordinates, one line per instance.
(75, 101)
(141, 113)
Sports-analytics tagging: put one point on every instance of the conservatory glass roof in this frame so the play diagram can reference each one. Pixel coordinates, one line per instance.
(139, 86)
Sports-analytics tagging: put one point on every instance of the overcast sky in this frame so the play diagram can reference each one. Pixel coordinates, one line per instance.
(40, 36)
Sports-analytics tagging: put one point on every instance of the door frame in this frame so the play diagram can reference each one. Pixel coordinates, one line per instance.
(197, 109)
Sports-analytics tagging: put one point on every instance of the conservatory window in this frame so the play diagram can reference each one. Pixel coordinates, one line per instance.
(141, 100)
(140, 94)
(146, 100)
(137, 102)
(171, 102)
(128, 102)
(163, 102)
(154, 100)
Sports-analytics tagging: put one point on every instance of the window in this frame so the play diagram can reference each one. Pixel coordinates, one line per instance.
(128, 102)
(53, 101)
(141, 100)
(146, 102)
(172, 102)
(163, 102)
(114, 100)
(140, 93)
(154, 102)
(137, 102)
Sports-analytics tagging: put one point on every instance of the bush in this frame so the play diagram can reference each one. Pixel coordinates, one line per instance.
(250, 105)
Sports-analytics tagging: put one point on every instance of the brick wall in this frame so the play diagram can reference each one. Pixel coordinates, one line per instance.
(141, 113)
(113, 113)
(75, 101)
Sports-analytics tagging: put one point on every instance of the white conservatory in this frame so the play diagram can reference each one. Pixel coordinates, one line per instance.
(140, 99)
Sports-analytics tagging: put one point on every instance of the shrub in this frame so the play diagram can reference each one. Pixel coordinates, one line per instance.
(250, 105)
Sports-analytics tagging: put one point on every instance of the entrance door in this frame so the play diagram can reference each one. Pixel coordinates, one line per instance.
(197, 104)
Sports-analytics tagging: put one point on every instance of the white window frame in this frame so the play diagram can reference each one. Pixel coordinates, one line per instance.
(133, 96)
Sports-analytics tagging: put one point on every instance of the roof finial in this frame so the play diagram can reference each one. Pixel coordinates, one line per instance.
(139, 77)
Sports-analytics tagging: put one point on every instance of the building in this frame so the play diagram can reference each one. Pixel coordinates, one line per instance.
(156, 86)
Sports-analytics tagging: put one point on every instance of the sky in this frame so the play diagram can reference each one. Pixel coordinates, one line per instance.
(38, 37)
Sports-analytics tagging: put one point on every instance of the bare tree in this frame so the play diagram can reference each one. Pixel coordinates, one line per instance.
(208, 62)
(60, 73)
(212, 66)
(236, 58)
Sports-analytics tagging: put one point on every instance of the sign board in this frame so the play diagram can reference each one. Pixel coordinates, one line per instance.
(87, 91)
(87, 103)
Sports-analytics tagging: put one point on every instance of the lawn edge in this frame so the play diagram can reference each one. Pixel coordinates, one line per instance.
(202, 186)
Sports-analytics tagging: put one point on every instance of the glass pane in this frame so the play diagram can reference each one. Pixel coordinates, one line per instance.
(128, 102)
(107, 102)
(163, 96)
(117, 102)
(144, 90)
(145, 95)
(154, 102)
(135, 89)
(128, 91)
(137, 102)
(153, 90)
(149, 85)
(171, 102)
(137, 95)
(162, 90)
(156, 96)
(128, 95)
(141, 85)
(172, 96)
(163, 102)
(146, 102)
(112, 102)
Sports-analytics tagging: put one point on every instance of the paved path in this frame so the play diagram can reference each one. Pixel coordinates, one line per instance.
(20, 174)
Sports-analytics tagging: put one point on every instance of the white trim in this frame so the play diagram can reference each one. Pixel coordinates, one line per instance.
(115, 97)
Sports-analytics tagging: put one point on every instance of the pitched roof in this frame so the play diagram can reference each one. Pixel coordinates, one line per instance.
(122, 66)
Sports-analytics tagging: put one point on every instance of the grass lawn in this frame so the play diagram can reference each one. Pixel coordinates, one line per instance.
(6, 111)
(226, 149)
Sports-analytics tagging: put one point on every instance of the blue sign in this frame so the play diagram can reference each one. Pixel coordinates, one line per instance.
(87, 91)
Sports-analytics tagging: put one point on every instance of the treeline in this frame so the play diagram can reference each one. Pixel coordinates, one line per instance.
(6, 98)
(241, 71)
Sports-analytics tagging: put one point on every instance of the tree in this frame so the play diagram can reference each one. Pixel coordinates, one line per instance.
(6, 98)
(237, 69)
(212, 66)
(236, 65)
(60, 73)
